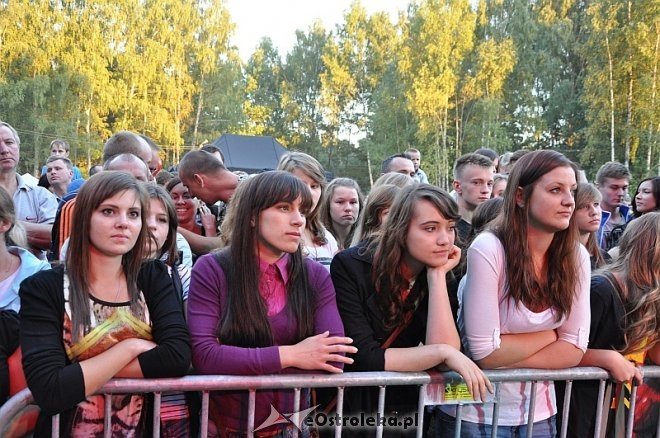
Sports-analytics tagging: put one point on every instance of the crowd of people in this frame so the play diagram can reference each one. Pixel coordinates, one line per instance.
(140, 272)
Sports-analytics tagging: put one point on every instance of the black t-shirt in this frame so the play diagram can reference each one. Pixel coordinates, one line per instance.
(606, 333)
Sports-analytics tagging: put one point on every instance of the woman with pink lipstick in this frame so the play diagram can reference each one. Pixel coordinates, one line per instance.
(259, 307)
(588, 215)
(105, 314)
(341, 209)
(524, 301)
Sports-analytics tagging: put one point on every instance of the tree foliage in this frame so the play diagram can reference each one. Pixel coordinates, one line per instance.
(445, 77)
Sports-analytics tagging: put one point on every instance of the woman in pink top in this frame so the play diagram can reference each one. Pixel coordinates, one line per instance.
(525, 296)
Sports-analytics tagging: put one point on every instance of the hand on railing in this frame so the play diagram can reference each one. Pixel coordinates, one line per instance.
(317, 353)
(474, 377)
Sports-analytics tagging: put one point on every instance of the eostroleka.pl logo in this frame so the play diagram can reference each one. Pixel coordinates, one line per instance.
(304, 419)
(293, 419)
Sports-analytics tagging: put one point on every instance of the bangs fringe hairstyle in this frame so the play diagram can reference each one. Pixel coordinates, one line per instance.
(169, 247)
(96, 190)
(313, 169)
(379, 199)
(588, 194)
(243, 298)
(389, 247)
(326, 218)
(638, 268)
(556, 288)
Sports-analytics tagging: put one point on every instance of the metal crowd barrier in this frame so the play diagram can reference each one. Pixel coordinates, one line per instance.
(382, 380)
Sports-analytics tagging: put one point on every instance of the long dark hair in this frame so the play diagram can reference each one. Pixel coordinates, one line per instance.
(389, 247)
(244, 321)
(510, 227)
(96, 190)
(655, 190)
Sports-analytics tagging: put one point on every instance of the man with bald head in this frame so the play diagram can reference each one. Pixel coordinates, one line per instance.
(209, 180)
(129, 163)
(126, 142)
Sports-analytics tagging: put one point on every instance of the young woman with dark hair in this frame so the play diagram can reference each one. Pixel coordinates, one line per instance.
(524, 301)
(104, 314)
(647, 196)
(392, 296)
(341, 209)
(625, 304)
(259, 307)
(318, 243)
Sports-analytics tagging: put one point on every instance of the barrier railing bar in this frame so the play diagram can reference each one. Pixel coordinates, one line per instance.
(55, 426)
(532, 407)
(496, 410)
(631, 416)
(420, 409)
(296, 409)
(204, 425)
(156, 422)
(599, 407)
(381, 410)
(107, 416)
(251, 411)
(566, 409)
(340, 410)
(213, 383)
(459, 422)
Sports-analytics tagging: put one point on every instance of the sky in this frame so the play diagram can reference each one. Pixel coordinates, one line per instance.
(279, 19)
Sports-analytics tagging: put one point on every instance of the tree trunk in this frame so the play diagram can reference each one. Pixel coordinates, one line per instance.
(611, 78)
(652, 141)
(199, 109)
(629, 99)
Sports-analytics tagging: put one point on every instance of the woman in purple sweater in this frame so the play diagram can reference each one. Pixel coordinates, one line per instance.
(258, 307)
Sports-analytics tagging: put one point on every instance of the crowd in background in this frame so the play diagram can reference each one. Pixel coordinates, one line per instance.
(138, 271)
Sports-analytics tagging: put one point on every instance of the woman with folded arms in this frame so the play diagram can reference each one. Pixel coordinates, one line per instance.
(104, 314)
(524, 301)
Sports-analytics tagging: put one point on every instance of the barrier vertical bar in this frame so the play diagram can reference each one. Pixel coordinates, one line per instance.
(566, 409)
(204, 425)
(496, 410)
(599, 407)
(381, 410)
(420, 411)
(107, 416)
(296, 409)
(55, 426)
(532, 407)
(251, 410)
(156, 422)
(631, 415)
(340, 410)
(459, 415)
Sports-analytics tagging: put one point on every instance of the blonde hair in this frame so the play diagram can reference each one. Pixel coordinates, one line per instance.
(586, 194)
(313, 169)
